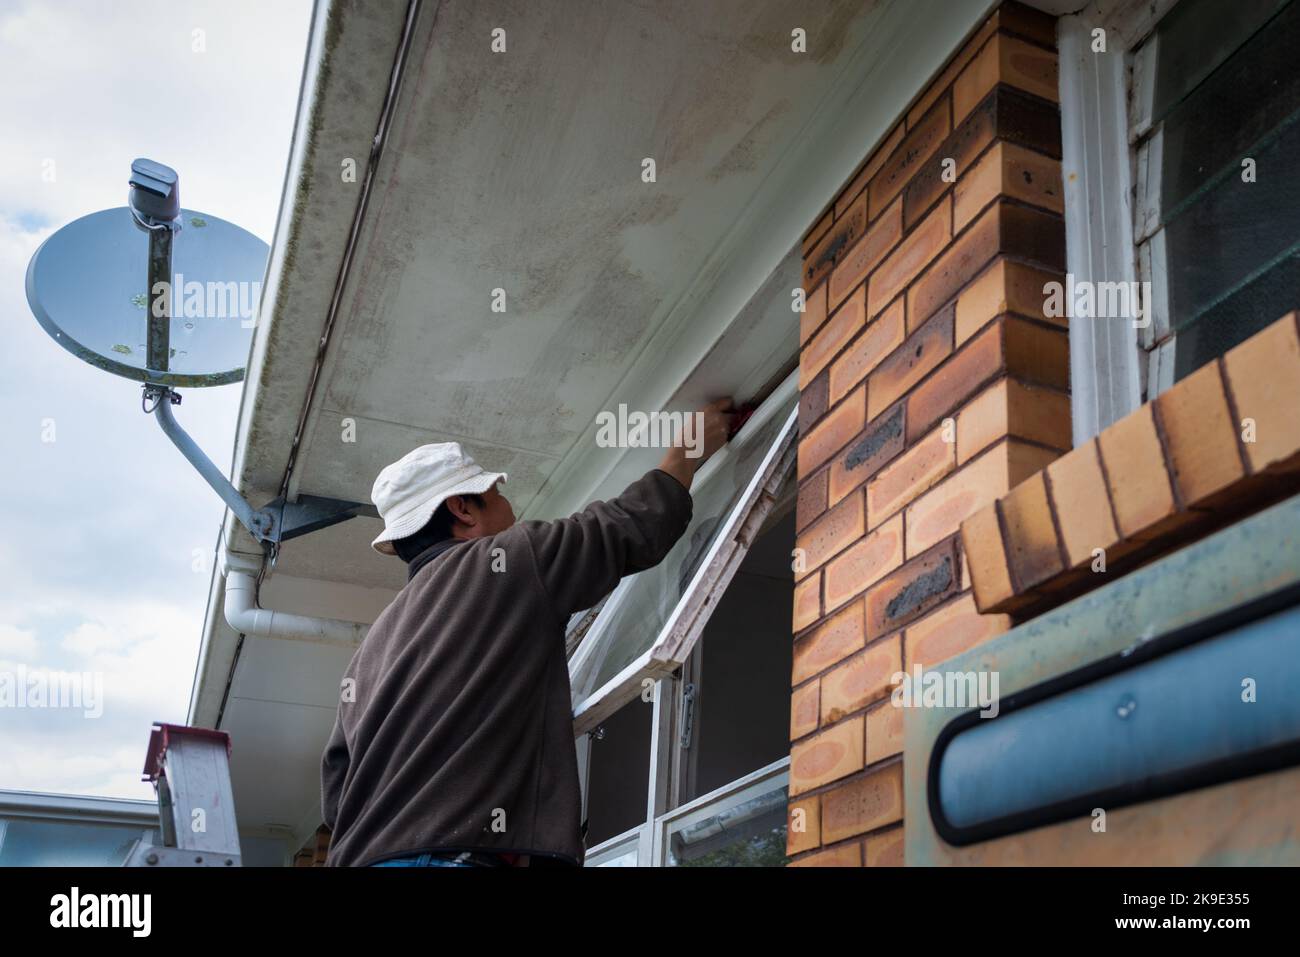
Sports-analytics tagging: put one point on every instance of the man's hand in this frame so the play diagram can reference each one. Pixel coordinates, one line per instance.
(713, 427)
(717, 418)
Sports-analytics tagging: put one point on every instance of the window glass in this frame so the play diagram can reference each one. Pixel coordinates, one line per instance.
(748, 831)
(1227, 112)
(618, 772)
(1196, 36)
(635, 616)
(27, 843)
(740, 722)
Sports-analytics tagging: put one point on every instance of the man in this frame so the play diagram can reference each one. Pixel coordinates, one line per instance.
(454, 744)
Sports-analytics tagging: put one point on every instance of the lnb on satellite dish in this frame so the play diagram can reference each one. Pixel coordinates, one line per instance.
(155, 192)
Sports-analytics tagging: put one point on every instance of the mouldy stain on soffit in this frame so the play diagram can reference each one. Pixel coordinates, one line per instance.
(270, 376)
(769, 41)
(742, 158)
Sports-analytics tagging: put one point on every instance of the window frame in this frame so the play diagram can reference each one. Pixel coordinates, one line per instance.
(650, 838)
(686, 621)
(1114, 366)
(756, 783)
(1112, 160)
(667, 758)
(616, 847)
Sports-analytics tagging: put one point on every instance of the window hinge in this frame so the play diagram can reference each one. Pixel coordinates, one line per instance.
(688, 713)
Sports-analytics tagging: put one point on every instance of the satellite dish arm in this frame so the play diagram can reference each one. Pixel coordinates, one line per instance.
(276, 522)
(258, 522)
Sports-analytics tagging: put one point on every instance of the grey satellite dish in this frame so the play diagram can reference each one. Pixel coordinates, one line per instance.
(89, 288)
(168, 297)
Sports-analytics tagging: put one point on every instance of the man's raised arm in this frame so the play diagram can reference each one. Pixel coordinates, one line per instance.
(581, 558)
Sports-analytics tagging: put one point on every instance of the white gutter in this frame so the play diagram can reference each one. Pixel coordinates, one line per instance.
(245, 616)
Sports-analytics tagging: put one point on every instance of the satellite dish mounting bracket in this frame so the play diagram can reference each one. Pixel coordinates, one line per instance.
(277, 521)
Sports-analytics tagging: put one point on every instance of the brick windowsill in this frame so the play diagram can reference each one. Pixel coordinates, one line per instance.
(1222, 443)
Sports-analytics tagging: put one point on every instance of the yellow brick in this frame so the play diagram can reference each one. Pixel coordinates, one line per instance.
(805, 704)
(807, 602)
(939, 512)
(830, 534)
(884, 731)
(803, 825)
(1134, 465)
(864, 804)
(860, 680)
(882, 336)
(845, 855)
(833, 432)
(813, 315)
(912, 473)
(1264, 375)
(885, 849)
(834, 640)
(865, 563)
(949, 631)
(844, 324)
(1011, 408)
(1006, 286)
(834, 753)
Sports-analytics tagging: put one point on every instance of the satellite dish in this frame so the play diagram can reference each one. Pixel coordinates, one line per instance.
(167, 296)
(89, 286)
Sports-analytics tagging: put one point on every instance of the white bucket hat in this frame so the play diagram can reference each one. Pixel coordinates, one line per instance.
(409, 491)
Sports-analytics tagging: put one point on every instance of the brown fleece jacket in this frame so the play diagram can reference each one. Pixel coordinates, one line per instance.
(455, 725)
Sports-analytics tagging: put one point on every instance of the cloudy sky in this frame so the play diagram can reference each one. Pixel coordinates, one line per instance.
(108, 535)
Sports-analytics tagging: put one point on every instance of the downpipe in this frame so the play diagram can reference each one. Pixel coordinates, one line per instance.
(245, 616)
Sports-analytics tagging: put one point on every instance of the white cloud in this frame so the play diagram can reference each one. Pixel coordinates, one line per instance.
(90, 638)
(18, 642)
(38, 766)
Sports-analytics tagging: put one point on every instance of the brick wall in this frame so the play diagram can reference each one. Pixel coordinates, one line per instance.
(930, 385)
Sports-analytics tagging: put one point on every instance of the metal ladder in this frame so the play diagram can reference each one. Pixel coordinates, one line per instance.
(190, 771)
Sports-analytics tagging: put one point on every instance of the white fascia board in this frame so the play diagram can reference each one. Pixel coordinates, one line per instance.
(216, 661)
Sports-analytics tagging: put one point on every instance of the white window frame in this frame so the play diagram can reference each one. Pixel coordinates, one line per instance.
(616, 848)
(649, 841)
(739, 791)
(1108, 358)
(687, 620)
(667, 757)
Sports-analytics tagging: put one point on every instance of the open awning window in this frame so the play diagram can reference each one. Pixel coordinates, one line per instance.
(649, 623)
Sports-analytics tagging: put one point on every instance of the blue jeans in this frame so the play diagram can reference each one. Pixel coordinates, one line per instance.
(421, 860)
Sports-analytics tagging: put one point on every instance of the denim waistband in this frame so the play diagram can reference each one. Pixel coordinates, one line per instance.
(443, 859)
